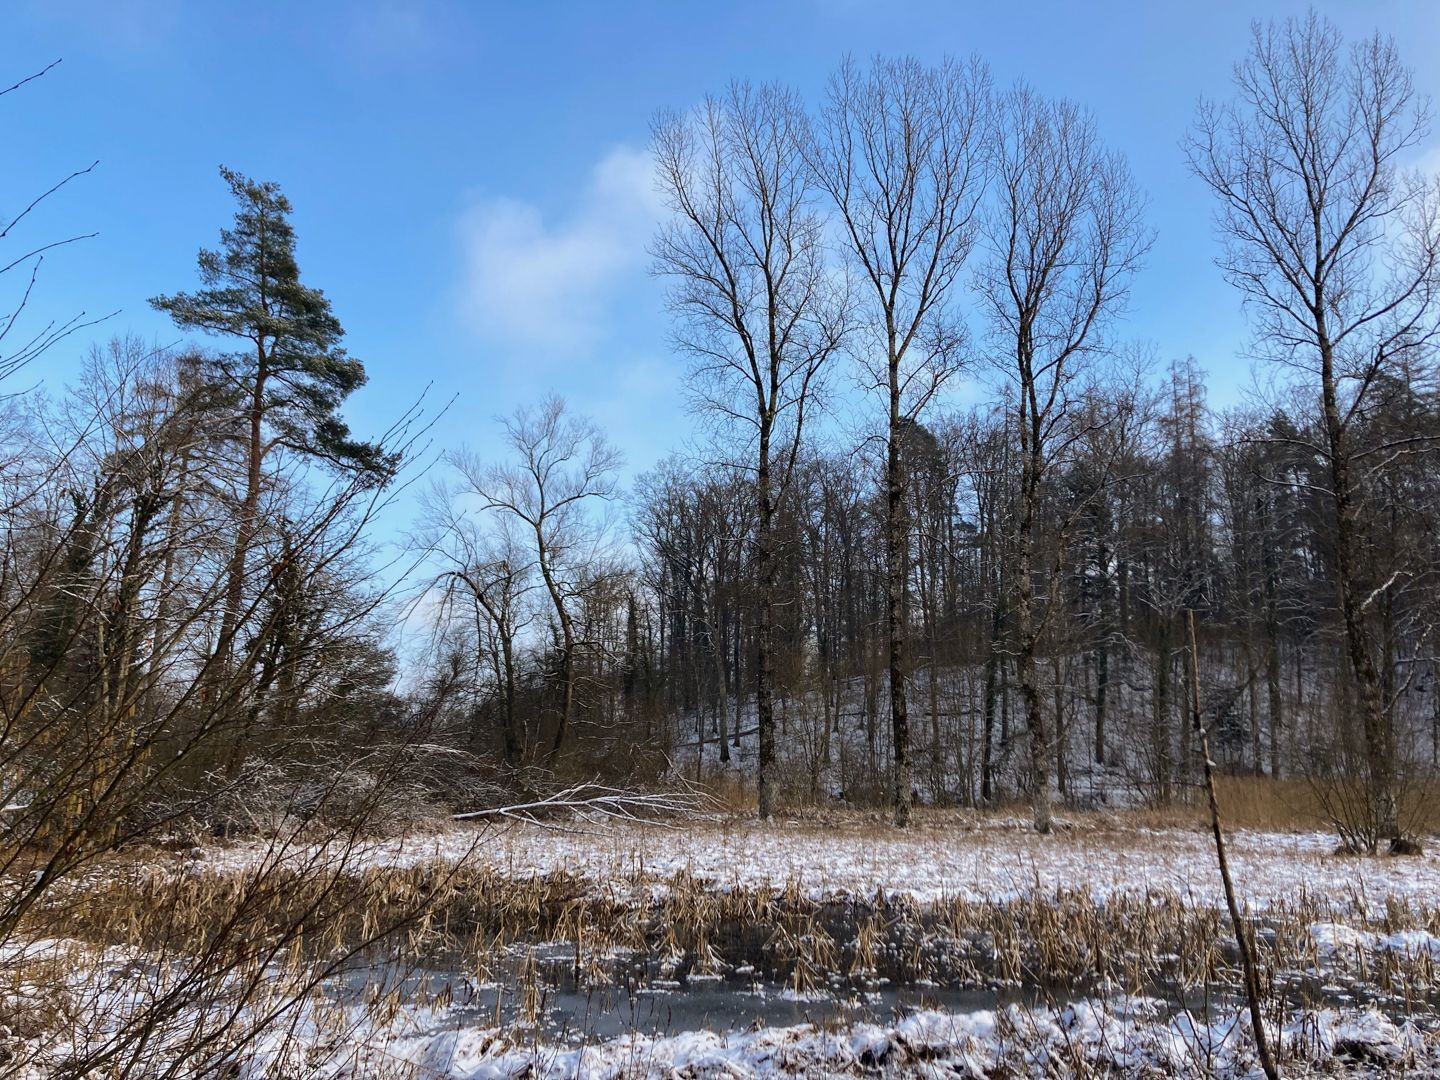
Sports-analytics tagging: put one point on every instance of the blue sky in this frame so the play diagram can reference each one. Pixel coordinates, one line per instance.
(470, 182)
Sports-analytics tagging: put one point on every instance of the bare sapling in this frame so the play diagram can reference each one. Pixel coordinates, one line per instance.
(1244, 940)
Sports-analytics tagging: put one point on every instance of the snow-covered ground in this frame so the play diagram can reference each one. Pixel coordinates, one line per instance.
(949, 857)
(1119, 1038)
(945, 856)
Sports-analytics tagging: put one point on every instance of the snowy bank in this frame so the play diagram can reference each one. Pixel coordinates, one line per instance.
(986, 862)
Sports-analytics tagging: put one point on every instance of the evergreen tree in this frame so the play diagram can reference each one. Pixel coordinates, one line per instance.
(290, 372)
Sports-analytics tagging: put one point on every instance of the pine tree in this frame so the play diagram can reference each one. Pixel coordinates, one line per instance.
(290, 372)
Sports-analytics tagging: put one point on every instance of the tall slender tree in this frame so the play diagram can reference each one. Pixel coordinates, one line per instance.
(561, 465)
(900, 149)
(755, 304)
(291, 374)
(1065, 236)
(1336, 249)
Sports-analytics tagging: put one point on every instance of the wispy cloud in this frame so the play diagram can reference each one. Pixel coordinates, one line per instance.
(402, 30)
(1428, 160)
(547, 284)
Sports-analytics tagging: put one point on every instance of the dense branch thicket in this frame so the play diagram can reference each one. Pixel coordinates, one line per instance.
(192, 639)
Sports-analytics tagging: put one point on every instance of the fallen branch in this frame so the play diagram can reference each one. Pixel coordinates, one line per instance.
(596, 803)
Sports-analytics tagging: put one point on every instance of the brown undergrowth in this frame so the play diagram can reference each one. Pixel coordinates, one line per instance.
(253, 944)
(1250, 802)
(465, 915)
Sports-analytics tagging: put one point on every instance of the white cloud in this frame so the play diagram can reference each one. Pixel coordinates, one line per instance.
(547, 284)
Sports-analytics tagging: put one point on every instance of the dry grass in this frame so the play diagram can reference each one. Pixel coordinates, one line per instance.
(732, 792)
(1267, 804)
(1247, 802)
(466, 915)
(212, 936)
(283, 926)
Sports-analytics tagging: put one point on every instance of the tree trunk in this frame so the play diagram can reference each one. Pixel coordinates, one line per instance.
(897, 535)
(1026, 631)
(245, 534)
(511, 734)
(1160, 739)
(987, 740)
(715, 641)
(1102, 654)
(567, 646)
(765, 632)
(739, 683)
(1379, 743)
(1272, 664)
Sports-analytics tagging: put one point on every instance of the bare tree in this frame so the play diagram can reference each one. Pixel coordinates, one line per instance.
(754, 304)
(562, 463)
(491, 570)
(1336, 250)
(900, 150)
(106, 730)
(19, 344)
(1064, 237)
(690, 526)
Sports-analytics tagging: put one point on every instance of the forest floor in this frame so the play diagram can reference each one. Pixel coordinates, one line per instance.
(834, 945)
